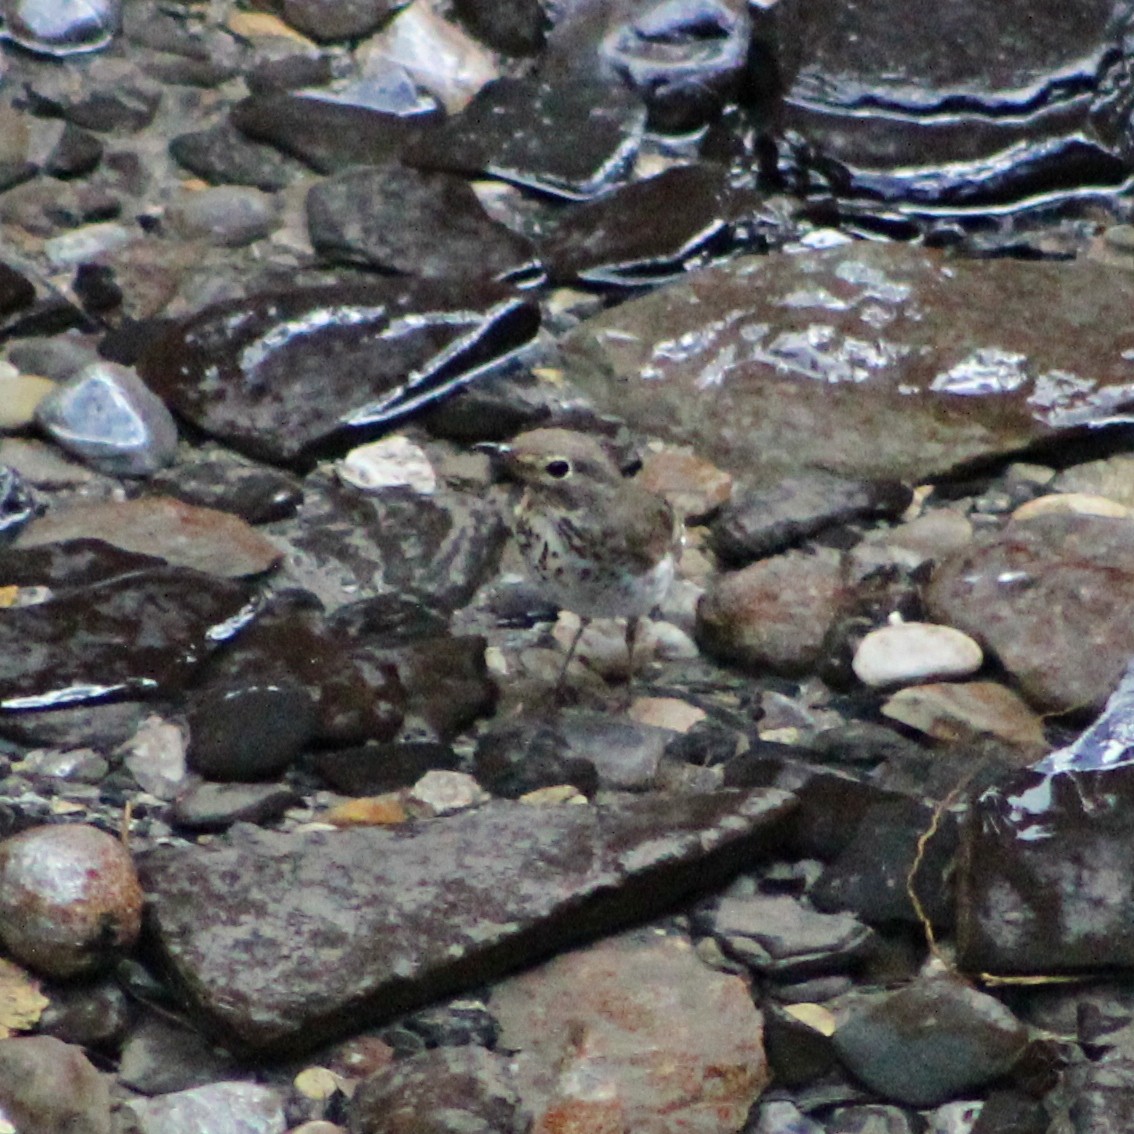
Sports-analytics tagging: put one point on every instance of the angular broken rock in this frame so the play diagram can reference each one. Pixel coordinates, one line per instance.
(279, 942)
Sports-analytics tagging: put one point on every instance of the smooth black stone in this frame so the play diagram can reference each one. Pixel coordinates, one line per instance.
(330, 20)
(515, 27)
(222, 155)
(328, 136)
(16, 290)
(140, 633)
(249, 731)
(376, 768)
(643, 232)
(95, 286)
(399, 220)
(76, 154)
(504, 132)
(277, 374)
(256, 493)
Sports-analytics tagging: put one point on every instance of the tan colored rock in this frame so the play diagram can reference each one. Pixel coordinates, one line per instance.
(19, 395)
(1080, 503)
(695, 488)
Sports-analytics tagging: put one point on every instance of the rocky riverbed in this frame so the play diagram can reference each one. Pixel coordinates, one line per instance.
(295, 834)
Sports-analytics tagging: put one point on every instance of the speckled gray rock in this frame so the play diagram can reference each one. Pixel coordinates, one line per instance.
(281, 941)
(107, 417)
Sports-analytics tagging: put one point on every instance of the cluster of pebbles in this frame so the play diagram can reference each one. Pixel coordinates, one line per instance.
(295, 835)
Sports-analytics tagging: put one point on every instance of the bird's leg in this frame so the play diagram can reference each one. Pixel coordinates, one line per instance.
(631, 642)
(560, 681)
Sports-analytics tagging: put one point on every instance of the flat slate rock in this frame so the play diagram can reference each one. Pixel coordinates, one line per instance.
(867, 360)
(280, 942)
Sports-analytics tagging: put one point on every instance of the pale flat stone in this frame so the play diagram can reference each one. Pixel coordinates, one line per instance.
(1080, 503)
(915, 651)
(19, 395)
(393, 462)
(964, 710)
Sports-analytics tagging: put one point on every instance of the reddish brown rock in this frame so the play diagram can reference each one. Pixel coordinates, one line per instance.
(69, 898)
(50, 1087)
(214, 542)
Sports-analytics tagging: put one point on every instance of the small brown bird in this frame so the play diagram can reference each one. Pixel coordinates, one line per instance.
(596, 542)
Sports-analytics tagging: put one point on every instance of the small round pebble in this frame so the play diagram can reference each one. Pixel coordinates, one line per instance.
(70, 900)
(907, 652)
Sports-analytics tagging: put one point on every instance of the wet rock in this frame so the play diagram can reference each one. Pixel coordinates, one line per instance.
(868, 360)
(1049, 599)
(61, 27)
(92, 1014)
(161, 1056)
(98, 726)
(625, 754)
(328, 136)
(870, 874)
(437, 1090)
(694, 488)
(685, 59)
(905, 652)
(330, 20)
(17, 504)
(929, 1042)
(69, 899)
(1096, 1098)
(229, 216)
(256, 493)
(967, 710)
(69, 564)
(411, 914)
(759, 522)
(886, 114)
(780, 937)
(345, 545)
(52, 1088)
(144, 632)
(1041, 888)
(222, 155)
(216, 807)
(217, 1106)
(205, 540)
(633, 1033)
(1112, 477)
(774, 614)
(514, 758)
(76, 154)
(16, 290)
(779, 1116)
(375, 768)
(398, 220)
(602, 241)
(107, 417)
(515, 27)
(797, 1052)
(503, 133)
(276, 374)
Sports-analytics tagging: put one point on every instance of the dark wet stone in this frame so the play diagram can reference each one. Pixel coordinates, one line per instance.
(784, 939)
(465, 1088)
(1029, 101)
(1013, 1112)
(17, 504)
(162, 1056)
(1042, 885)
(255, 493)
(143, 632)
(249, 730)
(330, 20)
(685, 58)
(516, 757)
(109, 419)
(13, 173)
(227, 216)
(128, 107)
(76, 154)
(222, 155)
(93, 1015)
(69, 564)
(929, 1042)
(16, 290)
(347, 545)
(870, 360)
(869, 876)
(216, 807)
(515, 27)
(276, 374)
(797, 1053)
(99, 726)
(95, 287)
(1010, 592)
(328, 136)
(504, 133)
(291, 73)
(398, 220)
(404, 917)
(690, 207)
(456, 1024)
(763, 521)
(389, 619)
(376, 768)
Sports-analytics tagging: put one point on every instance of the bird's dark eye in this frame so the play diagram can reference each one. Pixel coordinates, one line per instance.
(558, 468)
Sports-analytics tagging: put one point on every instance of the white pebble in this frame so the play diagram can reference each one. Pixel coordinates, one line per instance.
(393, 462)
(907, 652)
